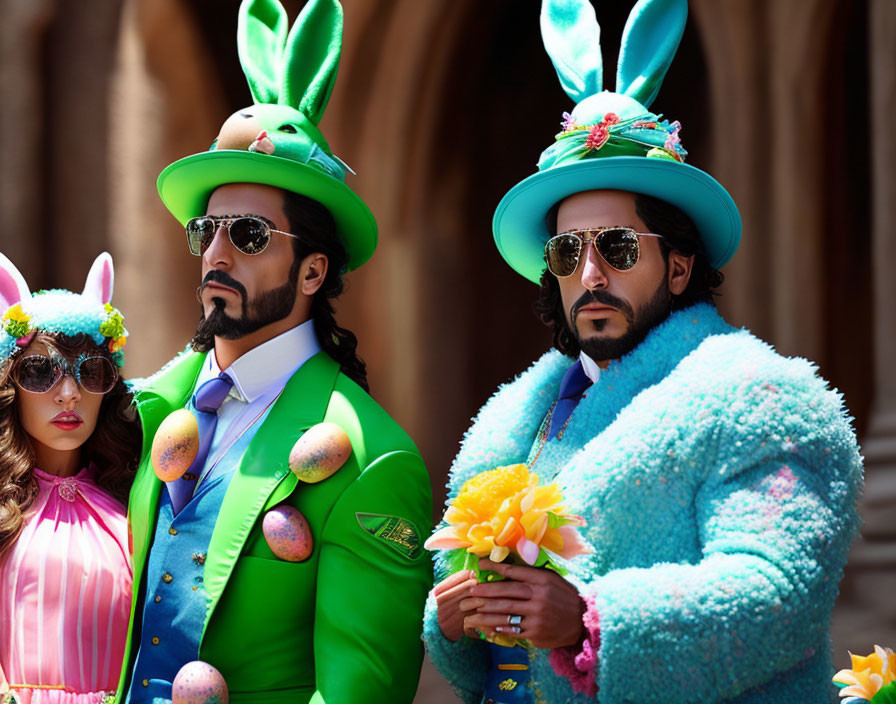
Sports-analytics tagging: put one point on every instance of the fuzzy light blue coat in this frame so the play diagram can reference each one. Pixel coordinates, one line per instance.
(719, 481)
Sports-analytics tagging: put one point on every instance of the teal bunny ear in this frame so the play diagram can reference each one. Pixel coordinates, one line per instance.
(311, 58)
(260, 38)
(572, 38)
(649, 41)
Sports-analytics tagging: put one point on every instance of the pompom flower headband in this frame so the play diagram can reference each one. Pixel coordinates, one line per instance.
(61, 312)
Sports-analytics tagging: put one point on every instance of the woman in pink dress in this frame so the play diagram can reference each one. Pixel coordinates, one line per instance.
(69, 440)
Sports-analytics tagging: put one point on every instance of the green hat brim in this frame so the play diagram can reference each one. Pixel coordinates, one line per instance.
(186, 186)
(519, 223)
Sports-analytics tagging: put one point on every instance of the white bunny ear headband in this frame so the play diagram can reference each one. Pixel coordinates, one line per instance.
(59, 311)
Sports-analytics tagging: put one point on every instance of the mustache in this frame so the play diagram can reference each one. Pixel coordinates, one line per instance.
(604, 297)
(222, 277)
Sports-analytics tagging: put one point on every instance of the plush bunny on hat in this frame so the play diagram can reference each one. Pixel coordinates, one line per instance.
(276, 141)
(611, 140)
(60, 311)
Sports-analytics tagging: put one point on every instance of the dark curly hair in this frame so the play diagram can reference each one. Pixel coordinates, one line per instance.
(114, 446)
(679, 234)
(314, 223)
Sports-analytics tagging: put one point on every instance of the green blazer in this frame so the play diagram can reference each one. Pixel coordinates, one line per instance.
(345, 624)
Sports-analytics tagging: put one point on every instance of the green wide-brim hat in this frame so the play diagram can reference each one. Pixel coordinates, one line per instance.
(276, 141)
(611, 140)
(186, 185)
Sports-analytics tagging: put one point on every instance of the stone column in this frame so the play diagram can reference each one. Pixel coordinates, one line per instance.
(22, 35)
(880, 443)
(791, 137)
(766, 71)
(165, 103)
(869, 610)
(80, 52)
(379, 119)
(738, 65)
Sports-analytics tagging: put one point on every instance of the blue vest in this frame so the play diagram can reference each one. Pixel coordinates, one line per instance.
(174, 607)
(508, 678)
(507, 681)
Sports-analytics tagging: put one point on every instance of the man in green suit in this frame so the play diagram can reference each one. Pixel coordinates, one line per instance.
(277, 513)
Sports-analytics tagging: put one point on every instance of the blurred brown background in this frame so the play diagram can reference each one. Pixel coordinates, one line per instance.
(441, 106)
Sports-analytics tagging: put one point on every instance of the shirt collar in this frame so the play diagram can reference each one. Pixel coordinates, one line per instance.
(263, 366)
(590, 366)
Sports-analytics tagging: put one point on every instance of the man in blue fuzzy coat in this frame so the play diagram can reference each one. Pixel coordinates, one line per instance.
(717, 479)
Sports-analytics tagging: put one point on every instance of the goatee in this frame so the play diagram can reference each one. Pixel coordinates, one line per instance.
(266, 308)
(647, 317)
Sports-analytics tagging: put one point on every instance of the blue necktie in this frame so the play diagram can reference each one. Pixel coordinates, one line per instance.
(574, 384)
(206, 402)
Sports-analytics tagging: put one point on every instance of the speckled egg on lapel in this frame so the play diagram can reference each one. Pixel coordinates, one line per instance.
(322, 450)
(287, 533)
(175, 445)
(198, 682)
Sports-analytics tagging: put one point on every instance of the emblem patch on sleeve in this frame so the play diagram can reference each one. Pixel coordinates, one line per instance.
(397, 533)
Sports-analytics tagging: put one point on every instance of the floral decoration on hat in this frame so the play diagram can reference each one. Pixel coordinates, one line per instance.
(649, 131)
(113, 328)
(16, 322)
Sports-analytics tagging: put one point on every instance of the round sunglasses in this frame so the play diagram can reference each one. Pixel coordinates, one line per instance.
(250, 234)
(39, 374)
(617, 245)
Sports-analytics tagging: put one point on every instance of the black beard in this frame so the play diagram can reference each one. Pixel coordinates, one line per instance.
(649, 315)
(264, 309)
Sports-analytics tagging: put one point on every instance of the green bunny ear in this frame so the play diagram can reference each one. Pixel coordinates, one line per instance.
(572, 38)
(311, 58)
(260, 38)
(649, 41)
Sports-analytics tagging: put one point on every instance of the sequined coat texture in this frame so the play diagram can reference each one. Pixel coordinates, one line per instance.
(718, 480)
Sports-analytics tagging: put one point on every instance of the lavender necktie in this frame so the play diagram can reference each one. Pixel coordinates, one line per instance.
(206, 402)
(575, 383)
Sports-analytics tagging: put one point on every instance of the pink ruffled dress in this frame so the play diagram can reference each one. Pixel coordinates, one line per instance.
(65, 595)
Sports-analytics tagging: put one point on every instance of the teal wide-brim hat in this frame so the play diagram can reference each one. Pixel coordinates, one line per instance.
(276, 141)
(611, 140)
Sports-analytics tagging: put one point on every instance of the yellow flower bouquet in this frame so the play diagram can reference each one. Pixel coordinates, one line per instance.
(871, 679)
(505, 514)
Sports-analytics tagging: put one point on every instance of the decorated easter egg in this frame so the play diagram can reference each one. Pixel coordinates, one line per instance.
(322, 450)
(198, 682)
(287, 533)
(175, 445)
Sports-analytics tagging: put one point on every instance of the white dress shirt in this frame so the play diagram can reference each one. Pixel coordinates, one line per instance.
(258, 378)
(592, 371)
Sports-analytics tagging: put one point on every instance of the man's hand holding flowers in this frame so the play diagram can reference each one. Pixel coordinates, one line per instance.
(450, 593)
(551, 607)
(506, 515)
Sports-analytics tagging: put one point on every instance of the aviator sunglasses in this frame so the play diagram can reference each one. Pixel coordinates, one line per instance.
(248, 233)
(38, 374)
(617, 245)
